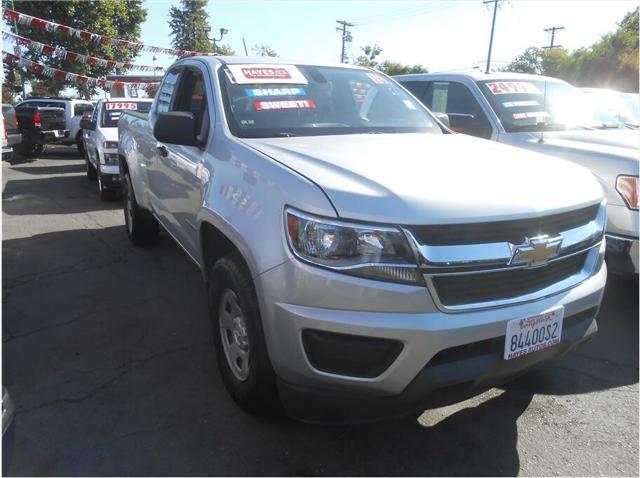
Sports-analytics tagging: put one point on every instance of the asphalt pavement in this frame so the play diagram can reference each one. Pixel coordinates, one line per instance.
(107, 353)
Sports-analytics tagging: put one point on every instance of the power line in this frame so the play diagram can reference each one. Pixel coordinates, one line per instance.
(401, 15)
(346, 36)
(553, 31)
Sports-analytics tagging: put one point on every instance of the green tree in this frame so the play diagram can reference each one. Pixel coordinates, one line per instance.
(611, 62)
(368, 58)
(188, 24)
(225, 50)
(394, 68)
(114, 18)
(263, 50)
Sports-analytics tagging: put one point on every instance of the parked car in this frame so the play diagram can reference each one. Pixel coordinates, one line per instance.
(12, 138)
(39, 125)
(361, 261)
(624, 108)
(73, 110)
(549, 116)
(100, 133)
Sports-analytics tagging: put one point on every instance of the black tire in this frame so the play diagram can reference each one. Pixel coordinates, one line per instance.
(28, 150)
(38, 149)
(141, 226)
(105, 194)
(80, 142)
(257, 393)
(91, 170)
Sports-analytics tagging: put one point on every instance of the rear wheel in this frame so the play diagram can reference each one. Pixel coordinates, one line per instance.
(239, 338)
(80, 142)
(142, 227)
(91, 170)
(104, 193)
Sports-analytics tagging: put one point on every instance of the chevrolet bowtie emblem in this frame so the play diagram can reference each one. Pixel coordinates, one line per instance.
(535, 251)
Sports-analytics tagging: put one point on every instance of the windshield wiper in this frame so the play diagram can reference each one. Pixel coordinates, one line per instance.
(286, 134)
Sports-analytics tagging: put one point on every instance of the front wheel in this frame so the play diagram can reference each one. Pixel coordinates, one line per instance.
(239, 338)
(90, 168)
(142, 227)
(80, 142)
(104, 193)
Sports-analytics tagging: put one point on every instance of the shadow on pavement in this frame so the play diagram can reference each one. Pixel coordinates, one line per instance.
(108, 355)
(44, 170)
(53, 195)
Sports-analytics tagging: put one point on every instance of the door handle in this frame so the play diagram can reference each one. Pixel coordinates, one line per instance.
(162, 149)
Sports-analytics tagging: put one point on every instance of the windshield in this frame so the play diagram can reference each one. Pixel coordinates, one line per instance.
(538, 105)
(286, 100)
(615, 106)
(111, 111)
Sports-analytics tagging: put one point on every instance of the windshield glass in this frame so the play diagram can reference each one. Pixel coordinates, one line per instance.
(111, 111)
(538, 105)
(286, 100)
(614, 106)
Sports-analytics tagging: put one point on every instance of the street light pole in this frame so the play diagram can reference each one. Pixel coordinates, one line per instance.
(223, 32)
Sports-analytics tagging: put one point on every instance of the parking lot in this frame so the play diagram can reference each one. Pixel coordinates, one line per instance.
(107, 354)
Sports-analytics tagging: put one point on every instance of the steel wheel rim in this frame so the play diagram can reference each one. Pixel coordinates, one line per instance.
(234, 334)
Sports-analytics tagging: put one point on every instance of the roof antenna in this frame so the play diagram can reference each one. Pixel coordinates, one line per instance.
(544, 109)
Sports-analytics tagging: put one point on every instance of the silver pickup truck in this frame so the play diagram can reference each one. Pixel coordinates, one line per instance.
(361, 261)
(549, 116)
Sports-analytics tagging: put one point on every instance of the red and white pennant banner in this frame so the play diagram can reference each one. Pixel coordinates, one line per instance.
(61, 53)
(74, 78)
(42, 24)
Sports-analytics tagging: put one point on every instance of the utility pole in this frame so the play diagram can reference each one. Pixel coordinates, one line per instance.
(346, 36)
(493, 26)
(553, 31)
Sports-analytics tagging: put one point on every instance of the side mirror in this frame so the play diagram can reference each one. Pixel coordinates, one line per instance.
(85, 123)
(444, 118)
(176, 127)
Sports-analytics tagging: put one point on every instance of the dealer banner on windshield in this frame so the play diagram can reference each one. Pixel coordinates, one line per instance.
(253, 74)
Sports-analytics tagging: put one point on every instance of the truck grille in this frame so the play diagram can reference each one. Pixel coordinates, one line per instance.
(494, 286)
(480, 265)
(498, 231)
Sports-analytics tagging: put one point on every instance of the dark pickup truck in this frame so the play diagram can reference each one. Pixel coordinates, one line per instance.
(39, 126)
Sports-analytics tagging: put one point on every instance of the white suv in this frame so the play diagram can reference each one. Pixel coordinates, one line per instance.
(73, 111)
(101, 142)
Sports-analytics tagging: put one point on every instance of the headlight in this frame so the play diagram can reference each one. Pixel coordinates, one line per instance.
(373, 252)
(627, 187)
(110, 145)
(110, 158)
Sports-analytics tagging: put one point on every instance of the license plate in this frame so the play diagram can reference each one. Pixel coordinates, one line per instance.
(534, 333)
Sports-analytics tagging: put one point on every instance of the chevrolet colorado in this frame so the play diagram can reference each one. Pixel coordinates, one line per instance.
(361, 261)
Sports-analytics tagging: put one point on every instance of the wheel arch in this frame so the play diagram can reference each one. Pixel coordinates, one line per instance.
(214, 244)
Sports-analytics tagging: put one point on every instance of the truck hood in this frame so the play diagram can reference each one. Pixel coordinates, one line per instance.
(607, 153)
(432, 179)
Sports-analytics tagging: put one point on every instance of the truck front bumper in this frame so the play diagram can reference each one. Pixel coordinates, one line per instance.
(432, 357)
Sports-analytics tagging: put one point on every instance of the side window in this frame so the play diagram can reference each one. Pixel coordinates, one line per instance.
(455, 99)
(191, 97)
(166, 91)
(417, 88)
(80, 108)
